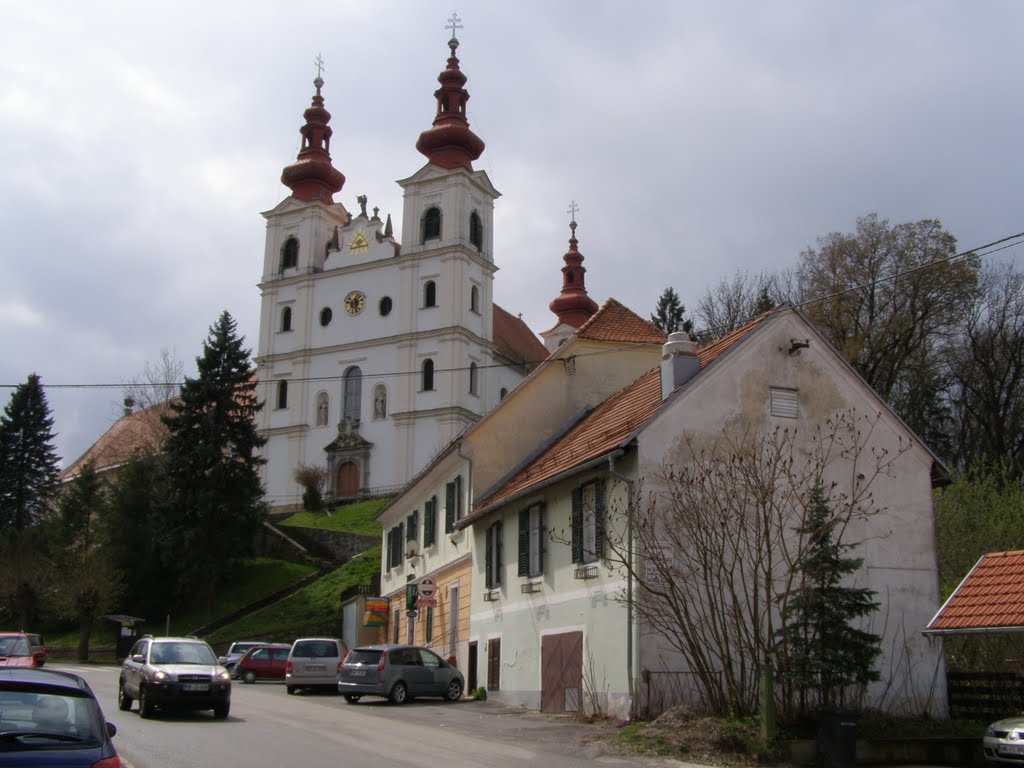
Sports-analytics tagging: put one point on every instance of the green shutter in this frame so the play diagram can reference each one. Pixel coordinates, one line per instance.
(524, 542)
(413, 526)
(599, 519)
(488, 550)
(577, 525)
(429, 521)
(540, 538)
(449, 507)
(499, 561)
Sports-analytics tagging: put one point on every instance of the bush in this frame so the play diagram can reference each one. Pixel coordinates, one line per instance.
(480, 694)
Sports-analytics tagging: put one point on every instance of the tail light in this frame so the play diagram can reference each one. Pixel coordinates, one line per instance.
(345, 659)
(380, 664)
(110, 762)
(288, 668)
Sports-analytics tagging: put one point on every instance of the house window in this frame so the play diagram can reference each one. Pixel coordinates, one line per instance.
(531, 541)
(325, 316)
(322, 408)
(476, 231)
(474, 376)
(453, 504)
(290, 254)
(493, 664)
(784, 402)
(353, 392)
(430, 294)
(430, 521)
(282, 394)
(474, 299)
(394, 543)
(428, 626)
(431, 224)
(286, 319)
(453, 619)
(588, 523)
(412, 526)
(427, 383)
(396, 618)
(492, 565)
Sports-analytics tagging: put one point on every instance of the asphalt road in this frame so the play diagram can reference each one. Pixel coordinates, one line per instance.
(268, 728)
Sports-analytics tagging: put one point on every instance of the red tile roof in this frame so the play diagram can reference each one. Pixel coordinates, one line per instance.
(990, 597)
(139, 431)
(614, 322)
(515, 341)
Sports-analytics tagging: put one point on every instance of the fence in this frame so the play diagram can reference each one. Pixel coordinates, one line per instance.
(984, 695)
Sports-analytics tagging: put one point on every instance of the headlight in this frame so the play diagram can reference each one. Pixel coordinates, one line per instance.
(224, 677)
(160, 676)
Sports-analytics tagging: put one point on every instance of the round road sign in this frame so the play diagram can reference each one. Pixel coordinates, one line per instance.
(427, 587)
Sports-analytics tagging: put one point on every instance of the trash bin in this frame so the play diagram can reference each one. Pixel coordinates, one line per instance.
(837, 738)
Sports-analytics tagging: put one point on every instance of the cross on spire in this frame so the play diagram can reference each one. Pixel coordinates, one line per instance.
(319, 61)
(573, 207)
(453, 23)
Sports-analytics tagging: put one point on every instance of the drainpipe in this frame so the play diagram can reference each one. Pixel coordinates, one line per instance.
(629, 579)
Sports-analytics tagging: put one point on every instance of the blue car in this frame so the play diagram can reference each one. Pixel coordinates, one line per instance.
(52, 718)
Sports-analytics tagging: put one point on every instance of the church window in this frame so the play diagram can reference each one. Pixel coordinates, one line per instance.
(476, 231)
(385, 306)
(432, 224)
(282, 394)
(325, 316)
(430, 294)
(474, 379)
(353, 390)
(286, 319)
(428, 375)
(474, 299)
(322, 405)
(290, 254)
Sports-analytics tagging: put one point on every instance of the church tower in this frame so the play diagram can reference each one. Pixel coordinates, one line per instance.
(573, 307)
(375, 353)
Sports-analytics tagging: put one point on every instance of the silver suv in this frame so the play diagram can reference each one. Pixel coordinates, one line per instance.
(313, 663)
(173, 672)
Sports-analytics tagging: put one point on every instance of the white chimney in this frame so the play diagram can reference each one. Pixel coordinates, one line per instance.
(679, 362)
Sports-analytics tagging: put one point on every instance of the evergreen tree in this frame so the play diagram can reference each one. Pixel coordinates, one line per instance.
(28, 460)
(670, 314)
(825, 653)
(212, 454)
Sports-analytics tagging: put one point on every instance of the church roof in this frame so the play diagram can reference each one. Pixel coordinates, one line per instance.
(312, 176)
(515, 341)
(134, 433)
(573, 306)
(449, 143)
(614, 322)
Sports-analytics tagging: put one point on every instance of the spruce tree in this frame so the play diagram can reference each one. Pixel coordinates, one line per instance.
(29, 464)
(670, 314)
(825, 652)
(212, 454)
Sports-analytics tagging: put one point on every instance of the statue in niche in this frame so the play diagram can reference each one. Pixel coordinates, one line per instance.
(380, 404)
(321, 411)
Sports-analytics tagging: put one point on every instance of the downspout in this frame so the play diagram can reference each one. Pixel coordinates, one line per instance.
(629, 579)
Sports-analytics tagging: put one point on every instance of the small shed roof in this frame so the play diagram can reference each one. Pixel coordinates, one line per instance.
(989, 599)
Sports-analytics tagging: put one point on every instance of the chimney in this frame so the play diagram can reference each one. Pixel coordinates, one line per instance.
(129, 404)
(679, 362)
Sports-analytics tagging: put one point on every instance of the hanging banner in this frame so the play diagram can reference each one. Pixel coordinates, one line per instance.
(376, 612)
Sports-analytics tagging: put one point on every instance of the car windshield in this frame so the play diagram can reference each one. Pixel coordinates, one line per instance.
(14, 646)
(315, 649)
(364, 656)
(181, 653)
(31, 717)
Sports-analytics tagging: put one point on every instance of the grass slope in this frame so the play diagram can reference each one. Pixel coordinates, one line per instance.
(351, 518)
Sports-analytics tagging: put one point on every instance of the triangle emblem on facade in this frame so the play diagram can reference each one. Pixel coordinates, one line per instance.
(358, 242)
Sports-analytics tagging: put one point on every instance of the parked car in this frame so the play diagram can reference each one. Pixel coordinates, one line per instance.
(39, 650)
(313, 663)
(52, 718)
(235, 652)
(1004, 741)
(173, 672)
(263, 662)
(16, 651)
(398, 673)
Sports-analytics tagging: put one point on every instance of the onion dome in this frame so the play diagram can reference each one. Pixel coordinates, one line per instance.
(311, 176)
(573, 306)
(450, 143)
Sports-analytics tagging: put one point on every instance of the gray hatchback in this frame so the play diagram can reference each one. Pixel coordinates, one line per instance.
(398, 673)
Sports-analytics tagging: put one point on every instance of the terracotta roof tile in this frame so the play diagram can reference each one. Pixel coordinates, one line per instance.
(614, 322)
(991, 596)
(515, 341)
(139, 431)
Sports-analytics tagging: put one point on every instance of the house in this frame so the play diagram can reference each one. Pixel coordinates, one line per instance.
(555, 474)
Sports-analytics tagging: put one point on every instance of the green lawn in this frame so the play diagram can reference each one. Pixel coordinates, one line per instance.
(351, 518)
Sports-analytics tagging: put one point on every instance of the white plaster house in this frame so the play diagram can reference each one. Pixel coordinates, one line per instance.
(548, 605)
(373, 354)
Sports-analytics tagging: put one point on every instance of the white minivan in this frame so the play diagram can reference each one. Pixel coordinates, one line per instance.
(313, 663)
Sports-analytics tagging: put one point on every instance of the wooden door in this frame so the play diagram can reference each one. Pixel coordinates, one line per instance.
(348, 479)
(471, 672)
(561, 672)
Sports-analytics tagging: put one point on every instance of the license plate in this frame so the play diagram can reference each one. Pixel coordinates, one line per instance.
(315, 667)
(1011, 749)
(195, 687)
(358, 673)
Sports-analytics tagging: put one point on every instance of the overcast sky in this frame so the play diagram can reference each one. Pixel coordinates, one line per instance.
(140, 141)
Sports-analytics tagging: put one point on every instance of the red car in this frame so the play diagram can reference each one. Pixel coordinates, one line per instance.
(263, 662)
(16, 651)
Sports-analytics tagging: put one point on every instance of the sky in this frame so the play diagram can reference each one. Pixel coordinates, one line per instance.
(139, 143)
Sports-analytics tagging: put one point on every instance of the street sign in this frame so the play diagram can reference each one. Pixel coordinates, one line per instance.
(427, 587)
(426, 602)
(412, 614)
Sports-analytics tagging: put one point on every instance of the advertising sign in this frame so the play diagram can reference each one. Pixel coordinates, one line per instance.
(376, 610)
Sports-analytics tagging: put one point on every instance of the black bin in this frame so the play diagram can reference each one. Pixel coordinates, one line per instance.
(837, 738)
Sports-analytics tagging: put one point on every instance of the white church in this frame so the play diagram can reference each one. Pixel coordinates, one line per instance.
(374, 352)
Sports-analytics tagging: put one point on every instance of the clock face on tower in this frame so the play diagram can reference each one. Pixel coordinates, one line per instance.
(354, 303)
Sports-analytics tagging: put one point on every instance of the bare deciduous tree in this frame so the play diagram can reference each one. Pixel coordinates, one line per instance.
(735, 301)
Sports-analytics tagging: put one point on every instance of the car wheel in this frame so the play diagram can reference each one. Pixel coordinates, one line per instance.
(145, 704)
(221, 710)
(290, 689)
(248, 676)
(352, 698)
(454, 692)
(399, 693)
(124, 701)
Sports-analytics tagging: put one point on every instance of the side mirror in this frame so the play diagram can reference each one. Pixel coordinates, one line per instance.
(138, 658)
(111, 730)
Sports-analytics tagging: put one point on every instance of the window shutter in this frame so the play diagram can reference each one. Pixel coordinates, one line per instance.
(499, 563)
(387, 550)
(449, 507)
(577, 525)
(540, 535)
(412, 529)
(488, 555)
(524, 542)
(429, 521)
(458, 498)
(599, 519)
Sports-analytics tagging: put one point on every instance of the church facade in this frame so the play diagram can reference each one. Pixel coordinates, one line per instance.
(374, 352)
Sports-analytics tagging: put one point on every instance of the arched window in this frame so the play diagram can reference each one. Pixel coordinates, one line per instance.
(322, 407)
(353, 389)
(431, 224)
(474, 379)
(476, 231)
(282, 394)
(474, 299)
(428, 375)
(429, 294)
(286, 319)
(290, 254)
